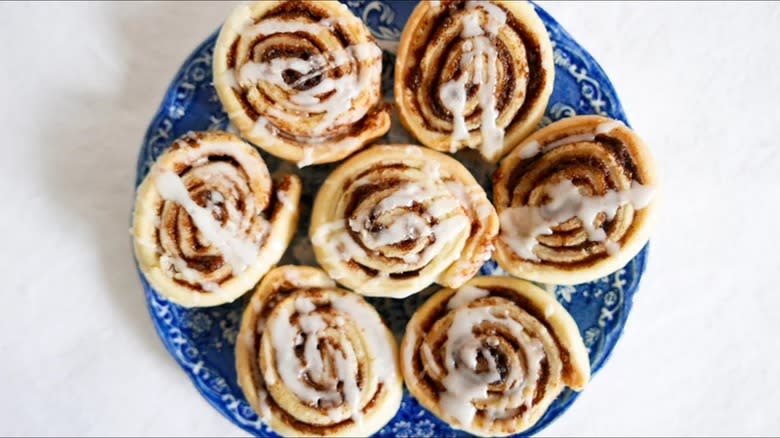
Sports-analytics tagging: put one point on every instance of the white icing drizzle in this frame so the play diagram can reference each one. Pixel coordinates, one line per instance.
(200, 161)
(344, 88)
(262, 128)
(311, 325)
(529, 150)
(432, 170)
(285, 200)
(496, 15)
(304, 305)
(444, 231)
(229, 77)
(463, 384)
(374, 330)
(458, 190)
(182, 143)
(453, 96)
(521, 225)
(612, 247)
(471, 200)
(288, 367)
(405, 227)
(405, 196)
(569, 140)
(533, 147)
(257, 306)
(607, 127)
(213, 201)
(442, 206)
(483, 210)
(471, 25)
(272, 71)
(265, 410)
(334, 237)
(549, 310)
(346, 370)
(285, 338)
(492, 135)
(308, 157)
(270, 378)
(144, 242)
(381, 277)
(468, 199)
(292, 276)
(413, 150)
(453, 93)
(237, 252)
(465, 295)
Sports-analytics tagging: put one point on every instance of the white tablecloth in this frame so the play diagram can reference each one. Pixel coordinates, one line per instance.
(79, 82)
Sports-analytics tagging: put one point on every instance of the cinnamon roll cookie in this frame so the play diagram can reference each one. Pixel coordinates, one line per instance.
(394, 219)
(491, 356)
(576, 201)
(210, 221)
(301, 79)
(473, 74)
(315, 360)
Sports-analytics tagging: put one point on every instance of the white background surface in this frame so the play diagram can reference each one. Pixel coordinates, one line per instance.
(79, 82)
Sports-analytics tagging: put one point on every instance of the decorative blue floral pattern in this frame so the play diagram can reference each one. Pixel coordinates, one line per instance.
(202, 340)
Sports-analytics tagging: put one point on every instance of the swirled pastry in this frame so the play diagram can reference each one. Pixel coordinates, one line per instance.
(314, 360)
(301, 79)
(490, 357)
(576, 201)
(209, 221)
(393, 219)
(474, 74)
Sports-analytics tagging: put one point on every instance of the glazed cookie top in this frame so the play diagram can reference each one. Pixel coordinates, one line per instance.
(301, 80)
(473, 74)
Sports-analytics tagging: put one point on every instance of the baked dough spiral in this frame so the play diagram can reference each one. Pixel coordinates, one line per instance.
(576, 201)
(474, 74)
(301, 79)
(393, 219)
(314, 360)
(491, 357)
(209, 220)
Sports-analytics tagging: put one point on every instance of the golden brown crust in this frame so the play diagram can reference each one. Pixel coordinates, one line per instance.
(596, 162)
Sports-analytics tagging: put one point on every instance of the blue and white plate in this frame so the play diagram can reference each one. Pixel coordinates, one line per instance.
(202, 340)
